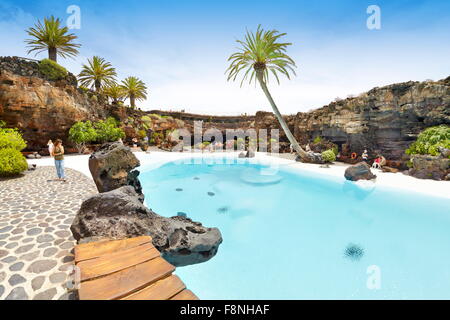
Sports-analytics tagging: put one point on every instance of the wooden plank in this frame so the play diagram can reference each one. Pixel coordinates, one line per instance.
(185, 295)
(163, 289)
(92, 250)
(125, 282)
(117, 261)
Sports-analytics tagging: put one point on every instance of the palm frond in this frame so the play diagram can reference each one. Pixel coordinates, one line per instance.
(51, 34)
(261, 53)
(98, 70)
(134, 86)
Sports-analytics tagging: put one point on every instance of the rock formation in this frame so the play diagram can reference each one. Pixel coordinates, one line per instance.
(429, 167)
(41, 109)
(119, 214)
(359, 171)
(384, 120)
(112, 167)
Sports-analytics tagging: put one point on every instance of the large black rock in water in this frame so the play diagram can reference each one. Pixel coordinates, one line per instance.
(119, 214)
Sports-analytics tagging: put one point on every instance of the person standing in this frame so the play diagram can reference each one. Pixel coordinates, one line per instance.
(50, 147)
(58, 154)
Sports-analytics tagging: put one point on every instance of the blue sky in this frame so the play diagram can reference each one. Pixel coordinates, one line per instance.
(180, 48)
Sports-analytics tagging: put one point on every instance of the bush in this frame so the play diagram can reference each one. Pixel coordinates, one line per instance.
(328, 156)
(142, 134)
(430, 140)
(82, 133)
(12, 162)
(51, 70)
(317, 139)
(11, 138)
(108, 131)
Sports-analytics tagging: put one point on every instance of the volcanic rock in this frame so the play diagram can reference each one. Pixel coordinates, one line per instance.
(119, 214)
(112, 167)
(359, 171)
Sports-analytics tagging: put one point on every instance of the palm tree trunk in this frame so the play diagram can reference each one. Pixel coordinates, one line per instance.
(52, 54)
(132, 100)
(303, 155)
(97, 85)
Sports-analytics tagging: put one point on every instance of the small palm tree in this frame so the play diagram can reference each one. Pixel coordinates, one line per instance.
(134, 89)
(114, 92)
(53, 38)
(260, 55)
(97, 73)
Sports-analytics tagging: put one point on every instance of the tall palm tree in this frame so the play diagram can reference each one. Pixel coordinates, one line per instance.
(259, 55)
(52, 37)
(97, 73)
(115, 92)
(134, 89)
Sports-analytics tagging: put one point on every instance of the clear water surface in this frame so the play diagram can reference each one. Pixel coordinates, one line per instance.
(298, 235)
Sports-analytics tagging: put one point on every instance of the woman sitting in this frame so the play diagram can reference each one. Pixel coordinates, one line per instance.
(379, 162)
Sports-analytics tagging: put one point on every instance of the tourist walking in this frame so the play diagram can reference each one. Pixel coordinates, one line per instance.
(58, 154)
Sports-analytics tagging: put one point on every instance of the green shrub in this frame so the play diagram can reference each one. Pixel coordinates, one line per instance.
(108, 131)
(81, 133)
(51, 70)
(12, 162)
(11, 138)
(430, 140)
(317, 139)
(142, 134)
(335, 150)
(328, 156)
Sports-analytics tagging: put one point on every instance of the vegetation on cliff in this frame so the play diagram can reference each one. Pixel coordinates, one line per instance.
(52, 37)
(102, 131)
(430, 140)
(52, 70)
(12, 162)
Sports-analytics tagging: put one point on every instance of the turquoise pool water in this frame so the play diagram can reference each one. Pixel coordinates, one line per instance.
(298, 235)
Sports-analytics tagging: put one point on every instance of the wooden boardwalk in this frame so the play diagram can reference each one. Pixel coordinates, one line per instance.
(130, 269)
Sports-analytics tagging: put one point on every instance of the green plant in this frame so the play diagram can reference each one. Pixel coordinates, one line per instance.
(114, 92)
(108, 131)
(97, 73)
(81, 133)
(53, 38)
(11, 139)
(51, 70)
(430, 140)
(335, 150)
(12, 162)
(262, 54)
(317, 139)
(328, 156)
(134, 89)
(142, 134)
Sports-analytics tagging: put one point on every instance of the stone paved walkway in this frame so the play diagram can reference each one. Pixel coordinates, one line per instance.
(36, 245)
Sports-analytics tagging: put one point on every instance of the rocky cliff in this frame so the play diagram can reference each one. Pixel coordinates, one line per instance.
(384, 120)
(40, 108)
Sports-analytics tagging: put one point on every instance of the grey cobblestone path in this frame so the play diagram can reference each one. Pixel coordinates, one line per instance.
(36, 245)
